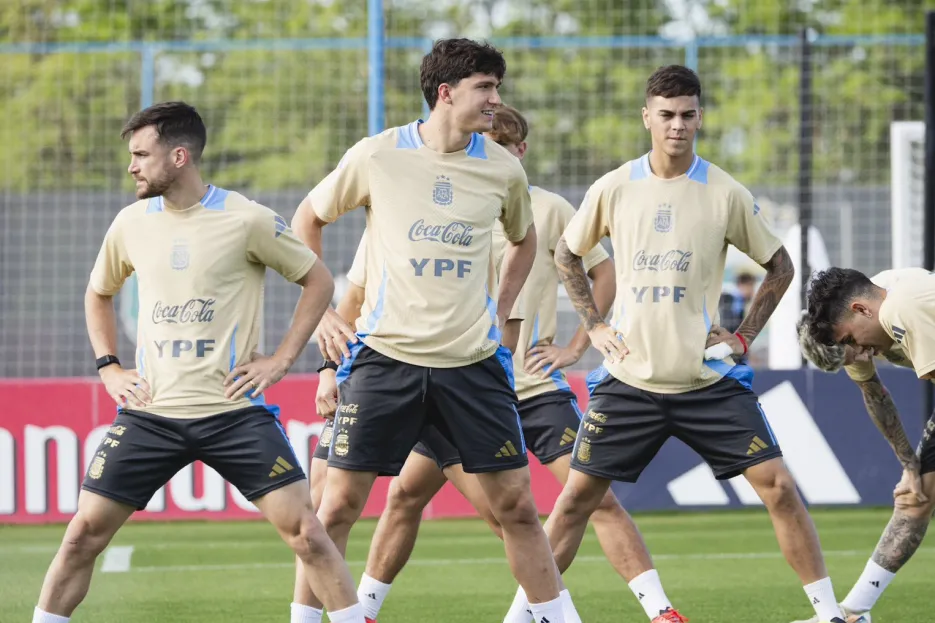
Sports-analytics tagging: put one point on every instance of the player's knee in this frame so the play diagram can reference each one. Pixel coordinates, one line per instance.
(340, 508)
(779, 493)
(516, 509)
(402, 499)
(85, 539)
(577, 501)
(309, 540)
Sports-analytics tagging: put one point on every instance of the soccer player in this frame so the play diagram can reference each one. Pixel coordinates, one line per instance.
(670, 216)
(200, 253)
(852, 319)
(430, 330)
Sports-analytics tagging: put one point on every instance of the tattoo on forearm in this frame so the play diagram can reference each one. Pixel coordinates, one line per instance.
(779, 273)
(571, 270)
(885, 416)
(900, 540)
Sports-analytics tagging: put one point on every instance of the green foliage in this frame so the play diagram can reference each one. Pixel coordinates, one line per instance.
(281, 118)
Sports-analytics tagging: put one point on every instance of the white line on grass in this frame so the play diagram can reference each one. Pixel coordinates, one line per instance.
(439, 562)
(117, 559)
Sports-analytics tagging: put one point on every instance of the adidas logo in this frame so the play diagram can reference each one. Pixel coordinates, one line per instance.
(640, 596)
(899, 333)
(544, 620)
(371, 596)
(508, 449)
(875, 583)
(815, 601)
(756, 445)
(281, 466)
(568, 437)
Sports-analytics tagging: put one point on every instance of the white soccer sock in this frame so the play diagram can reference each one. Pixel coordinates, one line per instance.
(304, 614)
(873, 581)
(568, 608)
(40, 616)
(371, 594)
(648, 590)
(821, 596)
(519, 611)
(354, 614)
(548, 612)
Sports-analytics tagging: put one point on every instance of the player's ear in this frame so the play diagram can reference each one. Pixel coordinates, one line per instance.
(180, 157)
(700, 116)
(521, 148)
(860, 309)
(444, 93)
(645, 117)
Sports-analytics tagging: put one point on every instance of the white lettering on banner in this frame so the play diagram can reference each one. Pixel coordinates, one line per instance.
(36, 440)
(182, 490)
(806, 452)
(7, 473)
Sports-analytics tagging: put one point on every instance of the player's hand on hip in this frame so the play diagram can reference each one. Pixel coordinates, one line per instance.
(546, 359)
(333, 336)
(911, 482)
(255, 377)
(126, 387)
(720, 335)
(609, 342)
(326, 397)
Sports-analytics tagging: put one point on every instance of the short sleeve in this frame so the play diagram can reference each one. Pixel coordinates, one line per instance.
(516, 214)
(565, 213)
(748, 230)
(357, 273)
(911, 325)
(272, 243)
(113, 265)
(590, 223)
(346, 188)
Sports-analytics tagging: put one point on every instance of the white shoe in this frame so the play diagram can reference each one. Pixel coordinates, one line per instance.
(849, 617)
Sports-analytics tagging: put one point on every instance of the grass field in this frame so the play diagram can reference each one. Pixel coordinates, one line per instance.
(717, 567)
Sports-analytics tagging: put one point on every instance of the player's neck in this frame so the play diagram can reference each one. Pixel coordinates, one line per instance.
(186, 192)
(440, 134)
(667, 167)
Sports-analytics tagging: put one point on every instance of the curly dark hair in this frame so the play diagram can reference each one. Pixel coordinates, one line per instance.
(453, 60)
(829, 294)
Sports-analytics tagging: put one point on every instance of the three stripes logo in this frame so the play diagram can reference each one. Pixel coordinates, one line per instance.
(568, 437)
(507, 450)
(899, 333)
(756, 445)
(281, 466)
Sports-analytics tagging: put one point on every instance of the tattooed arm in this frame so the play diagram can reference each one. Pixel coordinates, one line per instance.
(900, 540)
(885, 416)
(604, 337)
(779, 273)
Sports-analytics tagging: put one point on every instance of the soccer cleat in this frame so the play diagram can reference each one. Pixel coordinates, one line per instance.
(849, 617)
(366, 620)
(669, 615)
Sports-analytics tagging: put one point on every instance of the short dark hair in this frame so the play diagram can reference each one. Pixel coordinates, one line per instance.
(453, 60)
(176, 123)
(673, 81)
(830, 292)
(509, 126)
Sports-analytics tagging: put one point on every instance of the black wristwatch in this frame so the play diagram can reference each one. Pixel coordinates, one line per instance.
(327, 364)
(106, 360)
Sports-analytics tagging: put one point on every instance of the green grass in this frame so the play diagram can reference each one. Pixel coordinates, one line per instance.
(717, 567)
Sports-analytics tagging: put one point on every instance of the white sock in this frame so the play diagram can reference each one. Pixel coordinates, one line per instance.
(371, 594)
(519, 611)
(821, 596)
(873, 581)
(648, 590)
(40, 616)
(548, 612)
(354, 614)
(568, 608)
(304, 614)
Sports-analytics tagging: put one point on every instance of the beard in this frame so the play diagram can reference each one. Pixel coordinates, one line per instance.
(155, 187)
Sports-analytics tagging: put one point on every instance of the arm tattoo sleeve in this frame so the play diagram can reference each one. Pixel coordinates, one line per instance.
(571, 270)
(779, 272)
(900, 540)
(885, 416)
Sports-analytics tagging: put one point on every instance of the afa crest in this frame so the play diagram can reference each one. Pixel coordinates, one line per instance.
(663, 220)
(442, 192)
(326, 435)
(341, 445)
(96, 468)
(584, 451)
(179, 258)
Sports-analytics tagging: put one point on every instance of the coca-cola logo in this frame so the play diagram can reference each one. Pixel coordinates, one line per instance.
(674, 260)
(455, 233)
(192, 311)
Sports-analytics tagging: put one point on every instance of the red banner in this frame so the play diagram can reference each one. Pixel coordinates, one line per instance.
(50, 429)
